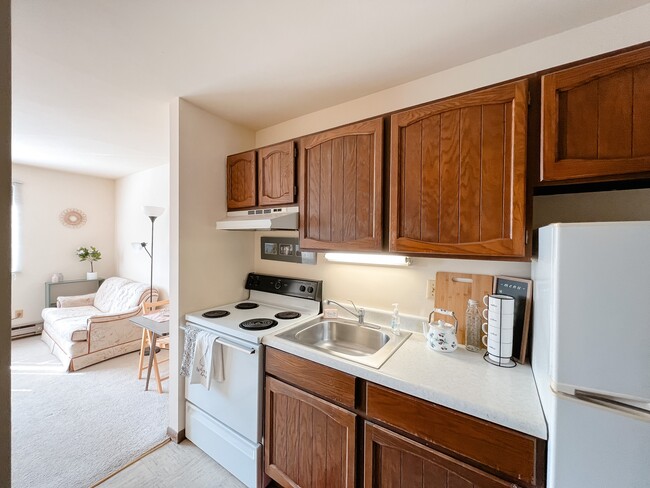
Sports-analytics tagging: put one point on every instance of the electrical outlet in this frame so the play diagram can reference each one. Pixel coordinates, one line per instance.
(431, 289)
(19, 314)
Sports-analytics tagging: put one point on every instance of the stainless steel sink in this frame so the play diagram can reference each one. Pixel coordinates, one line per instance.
(367, 344)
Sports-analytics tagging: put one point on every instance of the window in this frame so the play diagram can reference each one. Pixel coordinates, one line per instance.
(16, 227)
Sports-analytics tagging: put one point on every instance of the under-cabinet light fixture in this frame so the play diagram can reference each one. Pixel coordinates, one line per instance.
(377, 259)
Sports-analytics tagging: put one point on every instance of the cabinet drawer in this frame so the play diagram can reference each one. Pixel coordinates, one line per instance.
(393, 461)
(316, 378)
(496, 447)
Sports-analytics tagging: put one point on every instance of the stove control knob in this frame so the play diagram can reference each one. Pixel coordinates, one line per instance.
(302, 288)
(310, 289)
(278, 284)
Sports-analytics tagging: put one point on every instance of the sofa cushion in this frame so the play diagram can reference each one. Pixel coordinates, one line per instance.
(70, 323)
(119, 294)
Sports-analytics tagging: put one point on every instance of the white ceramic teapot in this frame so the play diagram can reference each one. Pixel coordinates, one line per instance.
(442, 335)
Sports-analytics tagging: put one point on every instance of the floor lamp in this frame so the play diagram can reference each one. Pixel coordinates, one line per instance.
(153, 213)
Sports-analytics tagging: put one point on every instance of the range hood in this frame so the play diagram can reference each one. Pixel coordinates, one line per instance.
(280, 218)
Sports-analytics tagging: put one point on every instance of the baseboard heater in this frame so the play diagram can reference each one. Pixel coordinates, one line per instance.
(18, 331)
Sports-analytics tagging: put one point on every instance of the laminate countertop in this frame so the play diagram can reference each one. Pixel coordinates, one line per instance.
(460, 380)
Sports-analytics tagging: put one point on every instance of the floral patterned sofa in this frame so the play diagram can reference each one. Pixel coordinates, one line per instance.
(87, 329)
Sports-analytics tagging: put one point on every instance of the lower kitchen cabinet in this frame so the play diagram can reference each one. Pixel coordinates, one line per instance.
(393, 461)
(309, 442)
(318, 420)
(502, 451)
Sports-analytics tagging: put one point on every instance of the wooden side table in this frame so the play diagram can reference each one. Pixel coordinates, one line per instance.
(157, 329)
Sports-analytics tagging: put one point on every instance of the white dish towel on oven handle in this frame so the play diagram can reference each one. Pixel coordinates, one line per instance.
(207, 362)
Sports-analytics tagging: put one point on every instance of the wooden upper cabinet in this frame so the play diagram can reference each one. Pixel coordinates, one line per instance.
(596, 119)
(276, 174)
(458, 175)
(240, 180)
(341, 187)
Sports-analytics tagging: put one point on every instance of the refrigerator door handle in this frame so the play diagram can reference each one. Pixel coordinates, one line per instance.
(618, 404)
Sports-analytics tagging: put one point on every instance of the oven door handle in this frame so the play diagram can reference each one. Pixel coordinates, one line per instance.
(226, 342)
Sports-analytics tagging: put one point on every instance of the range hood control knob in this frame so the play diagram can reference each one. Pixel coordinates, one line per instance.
(310, 289)
(278, 285)
(302, 287)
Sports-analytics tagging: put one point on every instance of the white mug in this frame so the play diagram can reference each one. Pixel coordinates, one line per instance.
(499, 347)
(498, 352)
(499, 304)
(497, 334)
(496, 318)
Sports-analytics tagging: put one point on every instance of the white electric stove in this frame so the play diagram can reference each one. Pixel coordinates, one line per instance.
(226, 420)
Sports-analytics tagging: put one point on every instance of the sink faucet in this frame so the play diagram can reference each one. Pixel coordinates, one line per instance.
(359, 313)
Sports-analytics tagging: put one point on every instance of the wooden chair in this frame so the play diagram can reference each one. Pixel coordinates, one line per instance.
(161, 342)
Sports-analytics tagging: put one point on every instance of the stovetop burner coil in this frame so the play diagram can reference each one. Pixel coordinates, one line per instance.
(288, 315)
(246, 305)
(215, 314)
(258, 324)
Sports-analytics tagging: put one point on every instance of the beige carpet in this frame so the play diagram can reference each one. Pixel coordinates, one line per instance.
(73, 429)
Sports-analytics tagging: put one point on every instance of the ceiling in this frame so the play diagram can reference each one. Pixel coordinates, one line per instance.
(92, 80)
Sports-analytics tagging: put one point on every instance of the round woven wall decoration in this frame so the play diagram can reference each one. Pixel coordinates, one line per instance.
(72, 217)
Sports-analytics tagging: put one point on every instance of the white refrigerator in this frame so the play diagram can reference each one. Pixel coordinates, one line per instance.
(591, 352)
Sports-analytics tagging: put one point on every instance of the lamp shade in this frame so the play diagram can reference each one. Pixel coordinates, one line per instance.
(153, 211)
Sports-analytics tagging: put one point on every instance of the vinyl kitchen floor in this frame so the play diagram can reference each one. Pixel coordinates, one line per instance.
(172, 466)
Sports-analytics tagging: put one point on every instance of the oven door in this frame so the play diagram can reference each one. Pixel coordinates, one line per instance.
(237, 401)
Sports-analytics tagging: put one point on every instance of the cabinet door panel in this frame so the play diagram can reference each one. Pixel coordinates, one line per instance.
(641, 115)
(393, 461)
(240, 180)
(340, 190)
(596, 117)
(308, 442)
(325, 207)
(492, 174)
(470, 174)
(430, 224)
(458, 175)
(449, 171)
(276, 174)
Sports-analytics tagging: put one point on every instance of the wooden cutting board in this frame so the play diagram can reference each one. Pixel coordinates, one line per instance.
(454, 289)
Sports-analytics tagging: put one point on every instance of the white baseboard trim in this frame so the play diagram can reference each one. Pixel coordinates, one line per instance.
(25, 330)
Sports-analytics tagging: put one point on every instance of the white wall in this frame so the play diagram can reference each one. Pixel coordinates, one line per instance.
(149, 187)
(613, 33)
(49, 246)
(378, 287)
(207, 266)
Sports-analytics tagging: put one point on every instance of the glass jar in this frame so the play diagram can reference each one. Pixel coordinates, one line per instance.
(472, 327)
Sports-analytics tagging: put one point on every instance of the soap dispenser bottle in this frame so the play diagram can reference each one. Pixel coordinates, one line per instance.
(394, 321)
